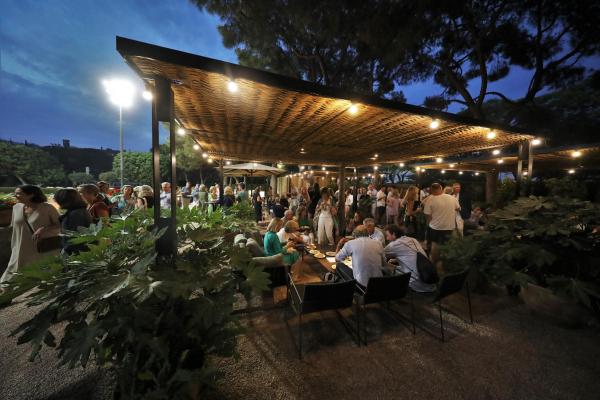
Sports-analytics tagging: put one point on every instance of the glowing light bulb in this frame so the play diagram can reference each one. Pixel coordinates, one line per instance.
(196, 147)
(232, 86)
(500, 161)
(443, 171)
(571, 171)
(576, 154)
(147, 95)
(401, 164)
(439, 160)
(228, 162)
(451, 165)
(204, 155)
(460, 172)
(353, 109)
(491, 134)
(210, 160)
(536, 142)
(376, 168)
(434, 124)
(496, 152)
(181, 131)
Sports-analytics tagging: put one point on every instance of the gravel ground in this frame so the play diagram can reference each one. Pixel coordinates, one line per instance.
(507, 354)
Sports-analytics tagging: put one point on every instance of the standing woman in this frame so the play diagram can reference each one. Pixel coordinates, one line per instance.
(325, 211)
(257, 203)
(315, 196)
(96, 205)
(213, 199)
(32, 219)
(144, 197)
(393, 206)
(411, 204)
(76, 215)
(228, 198)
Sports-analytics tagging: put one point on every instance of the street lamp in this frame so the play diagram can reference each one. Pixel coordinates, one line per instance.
(120, 92)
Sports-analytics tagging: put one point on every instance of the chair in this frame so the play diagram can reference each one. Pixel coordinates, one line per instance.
(379, 290)
(315, 297)
(450, 284)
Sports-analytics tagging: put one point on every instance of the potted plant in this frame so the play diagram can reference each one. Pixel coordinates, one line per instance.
(7, 202)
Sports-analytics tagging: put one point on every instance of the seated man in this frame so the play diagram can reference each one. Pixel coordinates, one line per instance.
(367, 257)
(289, 232)
(404, 249)
(278, 209)
(374, 232)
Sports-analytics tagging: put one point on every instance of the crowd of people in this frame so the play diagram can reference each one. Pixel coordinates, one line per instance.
(394, 224)
(382, 225)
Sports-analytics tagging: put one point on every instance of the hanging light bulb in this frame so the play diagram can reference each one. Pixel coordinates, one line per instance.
(434, 124)
(323, 168)
(181, 131)
(228, 162)
(232, 86)
(536, 142)
(439, 160)
(491, 134)
(443, 171)
(501, 161)
(353, 109)
(460, 172)
(196, 147)
(401, 164)
(571, 171)
(147, 95)
(204, 155)
(496, 152)
(476, 173)
(210, 160)
(451, 165)
(576, 154)
(376, 168)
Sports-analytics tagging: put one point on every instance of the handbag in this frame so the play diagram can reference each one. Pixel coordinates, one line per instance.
(426, 269)
(44, 245)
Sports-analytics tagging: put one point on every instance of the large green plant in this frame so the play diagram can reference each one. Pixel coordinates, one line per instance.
(154, 320)
(551, 241)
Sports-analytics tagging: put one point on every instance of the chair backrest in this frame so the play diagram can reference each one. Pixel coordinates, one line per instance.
(327, 296)
(451, 284)
(386, 288)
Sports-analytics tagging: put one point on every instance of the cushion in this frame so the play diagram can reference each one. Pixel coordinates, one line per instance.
(269, 262)
(254, 248)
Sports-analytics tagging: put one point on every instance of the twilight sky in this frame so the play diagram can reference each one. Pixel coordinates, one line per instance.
(54, 54)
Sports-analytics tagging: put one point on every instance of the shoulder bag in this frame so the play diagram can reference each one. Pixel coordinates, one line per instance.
(43, 245)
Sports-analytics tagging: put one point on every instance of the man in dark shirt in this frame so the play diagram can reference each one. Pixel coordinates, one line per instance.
(278, 209)
(463, 200)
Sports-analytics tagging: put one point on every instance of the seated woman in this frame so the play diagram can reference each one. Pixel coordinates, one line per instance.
(273, 246)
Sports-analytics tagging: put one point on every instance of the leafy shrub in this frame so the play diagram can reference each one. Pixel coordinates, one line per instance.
(153, 320)
(505, 192)
(552, 241)
(566, 187)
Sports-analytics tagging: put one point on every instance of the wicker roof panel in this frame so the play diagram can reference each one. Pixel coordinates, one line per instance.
(271, 118)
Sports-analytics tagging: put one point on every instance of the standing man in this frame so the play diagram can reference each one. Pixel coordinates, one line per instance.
(242, 195)
(381, 206)
(440, 210)
(165, 195)
(372, 193)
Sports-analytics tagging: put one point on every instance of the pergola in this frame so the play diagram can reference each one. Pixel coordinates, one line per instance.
(239, 113)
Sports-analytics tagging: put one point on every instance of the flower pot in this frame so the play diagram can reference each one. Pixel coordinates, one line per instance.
(542, 301)
(5, 216)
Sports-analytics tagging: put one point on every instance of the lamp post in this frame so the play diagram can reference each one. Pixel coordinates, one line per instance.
(120, 93)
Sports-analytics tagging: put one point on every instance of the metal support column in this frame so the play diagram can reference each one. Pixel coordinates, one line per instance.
(519, 177)
(173, 181)
(529, 167)
(223, 182)
(155, 162)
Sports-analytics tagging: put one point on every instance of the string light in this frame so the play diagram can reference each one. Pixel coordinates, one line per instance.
(418, 169)
(196, 147)
(323, 168)
(460, 172)
(204, 155)
(376, 168)
(439, 160)
(147, 95)
(576, 154)
(500, 161)
(524, 173)
(496, 152)
(210, 160)
(376, 155)
(571, 171)
(476, 173)
(451, 165)
(536, 142)
(491, 134)
(228, 162)
(353, 109)
(443, 171)
(401, 164)
(181, 131)
(434, 124)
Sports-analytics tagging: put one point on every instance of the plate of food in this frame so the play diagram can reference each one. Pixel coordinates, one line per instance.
(313, 251)
(319, 255)
(330, 253)
(349, 237)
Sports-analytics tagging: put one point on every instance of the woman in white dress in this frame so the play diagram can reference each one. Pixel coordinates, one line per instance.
(325, 210)
(32, 218)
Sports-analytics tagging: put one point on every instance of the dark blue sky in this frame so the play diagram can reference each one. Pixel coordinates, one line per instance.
(54, 55)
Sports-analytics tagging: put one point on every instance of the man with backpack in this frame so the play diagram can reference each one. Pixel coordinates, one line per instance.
(406, 251)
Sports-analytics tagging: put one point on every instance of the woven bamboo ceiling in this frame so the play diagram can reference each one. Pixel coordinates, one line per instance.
(546, 159)
(276, 118)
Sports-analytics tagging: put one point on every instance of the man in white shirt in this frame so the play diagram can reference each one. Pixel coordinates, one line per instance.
(367, 257)
(374, 232)
(165, 195)
(381, 206)
(440, 210)
(405, 249)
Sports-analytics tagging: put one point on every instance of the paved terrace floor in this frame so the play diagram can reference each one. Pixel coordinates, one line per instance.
(508, 354)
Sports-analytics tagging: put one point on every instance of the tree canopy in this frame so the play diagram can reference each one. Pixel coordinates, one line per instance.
(375, 46)
(30, 164)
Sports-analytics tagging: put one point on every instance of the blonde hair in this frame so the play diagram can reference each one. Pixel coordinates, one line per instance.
(274, 225)
(448, 190)
(213, 190)
(411, 194)
(228, 190)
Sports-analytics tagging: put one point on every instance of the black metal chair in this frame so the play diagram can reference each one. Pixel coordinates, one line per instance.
(450, 284)
(315, 297)
(380, 290)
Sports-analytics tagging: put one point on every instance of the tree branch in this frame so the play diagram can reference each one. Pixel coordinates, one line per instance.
(502, 96)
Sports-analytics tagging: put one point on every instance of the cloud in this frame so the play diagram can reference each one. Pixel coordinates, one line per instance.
(53, 56)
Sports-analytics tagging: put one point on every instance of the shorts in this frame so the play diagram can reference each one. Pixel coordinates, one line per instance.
(440, 237)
